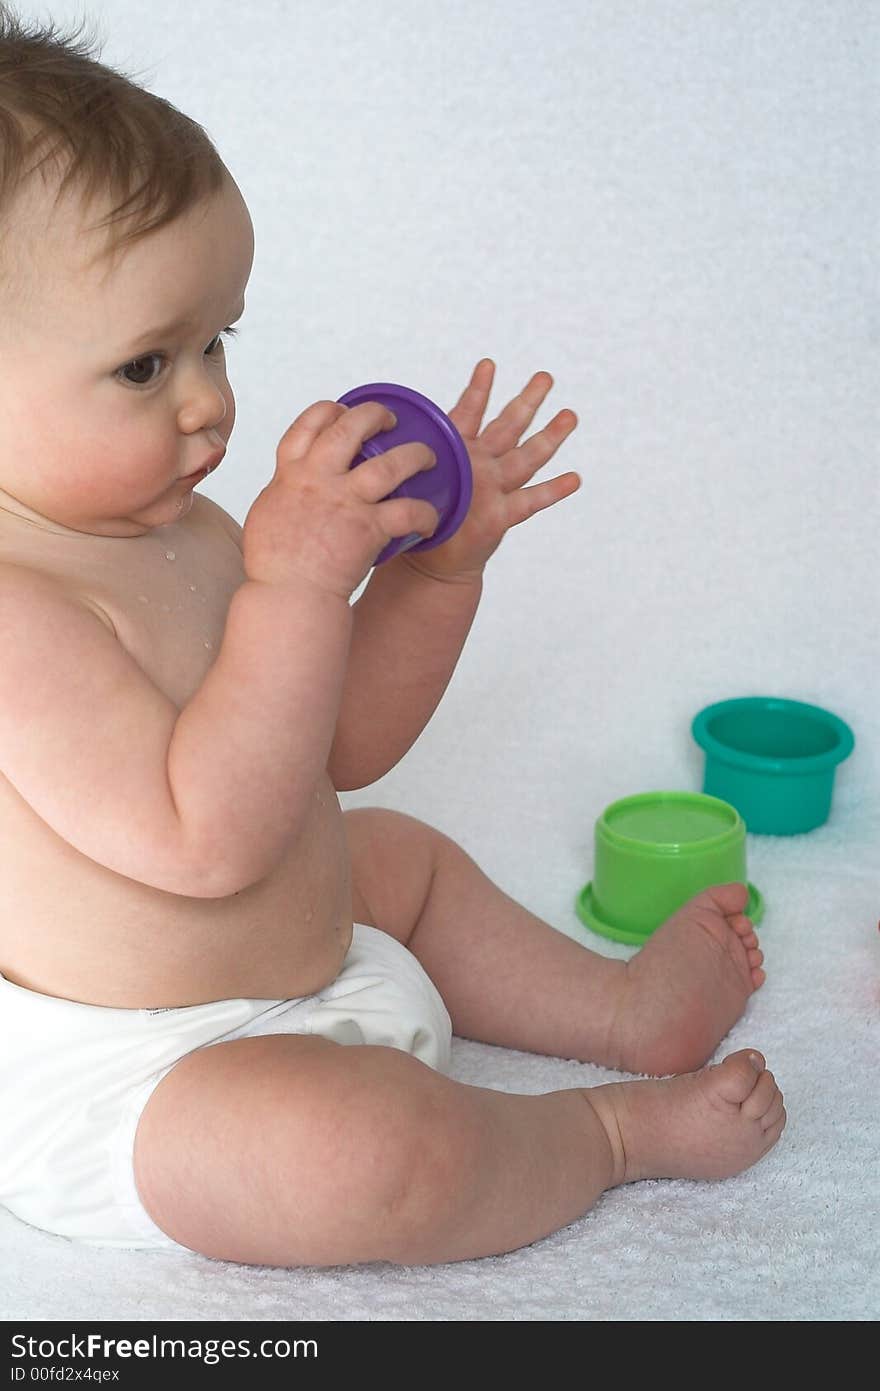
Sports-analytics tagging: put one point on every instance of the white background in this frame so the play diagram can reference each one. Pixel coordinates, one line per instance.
(671, 206)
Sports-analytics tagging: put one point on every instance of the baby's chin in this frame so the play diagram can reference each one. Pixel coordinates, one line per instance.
(184, 503)
(172, 507)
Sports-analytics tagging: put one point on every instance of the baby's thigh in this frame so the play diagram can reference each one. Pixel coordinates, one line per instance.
(393, 860)
(290, 1150)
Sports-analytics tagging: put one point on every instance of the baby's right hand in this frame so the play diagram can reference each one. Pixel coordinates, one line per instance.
(319, 519)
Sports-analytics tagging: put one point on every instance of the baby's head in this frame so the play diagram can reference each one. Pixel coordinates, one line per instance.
(125, 249)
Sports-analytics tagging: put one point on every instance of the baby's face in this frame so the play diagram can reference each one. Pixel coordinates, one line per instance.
(113, 382)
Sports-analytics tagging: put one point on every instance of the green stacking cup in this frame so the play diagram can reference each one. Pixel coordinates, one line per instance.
(654, 852)
(774, 760)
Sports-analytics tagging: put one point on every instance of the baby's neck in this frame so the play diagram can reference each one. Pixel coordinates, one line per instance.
(12, 509)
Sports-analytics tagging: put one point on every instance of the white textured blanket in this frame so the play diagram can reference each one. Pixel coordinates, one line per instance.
(794, 1238)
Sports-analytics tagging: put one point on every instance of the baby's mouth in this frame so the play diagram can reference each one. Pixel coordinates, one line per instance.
(205, 468)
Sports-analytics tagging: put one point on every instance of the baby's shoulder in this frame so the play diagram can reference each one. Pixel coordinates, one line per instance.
(211, 514)
(31, 592)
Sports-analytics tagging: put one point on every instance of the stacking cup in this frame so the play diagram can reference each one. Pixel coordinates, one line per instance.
(448, 485)
(774, 760)
(654, 852)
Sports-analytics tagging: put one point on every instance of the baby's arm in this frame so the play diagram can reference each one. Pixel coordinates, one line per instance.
(199, 801)
(415, 615)
(206, 800)
(407, 637)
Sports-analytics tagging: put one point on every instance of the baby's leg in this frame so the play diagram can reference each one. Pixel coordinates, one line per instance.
(289, 1150)
(509, 978)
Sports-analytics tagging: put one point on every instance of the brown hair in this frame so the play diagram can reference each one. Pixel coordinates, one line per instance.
(107, 136)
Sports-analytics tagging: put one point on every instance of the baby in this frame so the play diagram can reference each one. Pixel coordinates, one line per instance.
(226, 1006)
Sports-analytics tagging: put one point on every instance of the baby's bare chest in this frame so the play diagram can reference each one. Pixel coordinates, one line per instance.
(165, 594)
(169, 612)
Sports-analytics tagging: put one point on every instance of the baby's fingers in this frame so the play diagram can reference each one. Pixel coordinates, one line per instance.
(510, 426)
(332, 434)
(299, 437)
(527, 501)
(522, 464)
(467, 413)
(408, 516)
(380, 474)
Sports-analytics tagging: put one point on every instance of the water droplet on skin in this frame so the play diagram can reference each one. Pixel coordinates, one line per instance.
(142, 599)
(170, 555)
(309, 916)
(210, 646)
(192, 588)
(203, 598)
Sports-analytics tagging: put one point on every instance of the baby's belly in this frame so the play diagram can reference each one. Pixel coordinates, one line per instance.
(73, 929)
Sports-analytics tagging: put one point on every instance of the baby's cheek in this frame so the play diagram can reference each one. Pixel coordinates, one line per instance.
(91, 472)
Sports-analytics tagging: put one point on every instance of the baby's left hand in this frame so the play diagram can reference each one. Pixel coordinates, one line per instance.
(501, 467)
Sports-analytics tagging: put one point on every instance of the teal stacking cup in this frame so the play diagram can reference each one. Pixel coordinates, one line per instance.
(773, 759)
(655, 851)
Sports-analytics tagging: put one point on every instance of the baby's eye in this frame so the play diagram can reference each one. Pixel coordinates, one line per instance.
(141, 365)
(216, 344)
(138, 365)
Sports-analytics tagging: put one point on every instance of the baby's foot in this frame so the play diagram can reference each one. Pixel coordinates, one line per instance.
(707, 1124)
(686, 988)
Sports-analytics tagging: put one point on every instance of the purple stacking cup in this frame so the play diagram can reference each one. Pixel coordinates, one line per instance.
(448, 485)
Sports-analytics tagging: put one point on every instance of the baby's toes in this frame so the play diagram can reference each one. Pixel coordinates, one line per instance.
(775, 1113)
(729, 899)
(772, 1134)
(762, 1098)
(737, 1076)
(744, 929)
